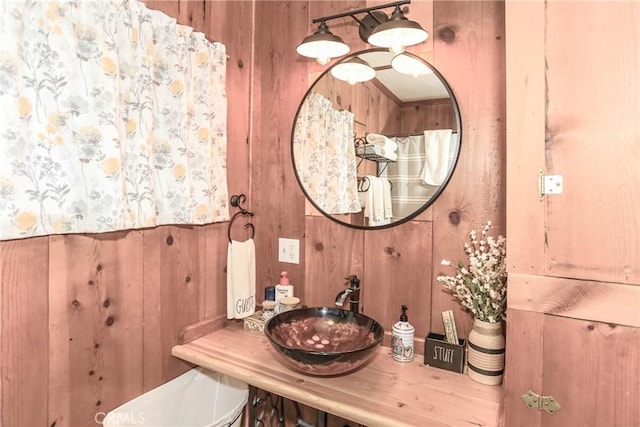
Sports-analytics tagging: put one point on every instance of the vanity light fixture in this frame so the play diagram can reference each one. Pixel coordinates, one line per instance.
(406, 64)
(376, 28)
(397, 33)
(322, 45)
(353, 71)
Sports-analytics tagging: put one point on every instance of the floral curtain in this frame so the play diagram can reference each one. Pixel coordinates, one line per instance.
(324, 153)
(113, 117)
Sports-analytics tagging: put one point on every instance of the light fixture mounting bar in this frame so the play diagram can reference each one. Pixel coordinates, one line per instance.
(355, 12)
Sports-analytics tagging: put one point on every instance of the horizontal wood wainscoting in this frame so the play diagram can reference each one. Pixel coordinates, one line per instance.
(382, 393)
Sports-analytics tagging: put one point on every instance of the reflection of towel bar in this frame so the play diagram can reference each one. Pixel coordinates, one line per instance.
(405, 135)
(363, 179)
(366, 151)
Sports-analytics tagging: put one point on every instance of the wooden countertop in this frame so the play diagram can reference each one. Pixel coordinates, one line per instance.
(382, 393)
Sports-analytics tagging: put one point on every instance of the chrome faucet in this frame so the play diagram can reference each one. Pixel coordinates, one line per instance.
(352, 293)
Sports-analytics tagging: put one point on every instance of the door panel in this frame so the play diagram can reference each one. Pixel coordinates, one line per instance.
(592, 56)
(592, 369)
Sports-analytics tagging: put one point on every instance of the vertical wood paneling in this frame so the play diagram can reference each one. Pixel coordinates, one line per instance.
(95, 323)
(173, 297)
(487, 147)
(523, 374)
(469, 35)
(464, 35)
(232, 24)
(193, 13)
(280, 81)
(589, 120)
(24, 332)
(397, 271)
(274, 87)
(214, 269)
(588, 243)
(70, 349)
(431, 115)
(592, 370)
(332, 254)
(525, 96)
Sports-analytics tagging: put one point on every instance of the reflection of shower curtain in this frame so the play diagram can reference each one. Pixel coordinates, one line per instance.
(112, 117)
(324, 154)
(409, 192)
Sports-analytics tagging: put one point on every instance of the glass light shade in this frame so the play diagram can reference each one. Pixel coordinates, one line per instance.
(353, 71)
(406, 64)
(322, 45)
(397, 33)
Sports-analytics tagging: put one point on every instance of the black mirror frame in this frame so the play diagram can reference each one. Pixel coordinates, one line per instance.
(436, 194)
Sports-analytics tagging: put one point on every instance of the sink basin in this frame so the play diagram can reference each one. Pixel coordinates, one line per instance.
(323, 341)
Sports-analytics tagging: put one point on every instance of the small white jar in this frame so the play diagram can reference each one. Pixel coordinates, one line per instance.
(268, 309)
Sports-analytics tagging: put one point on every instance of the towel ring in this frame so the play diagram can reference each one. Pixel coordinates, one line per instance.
(246, 226)
(237, 201)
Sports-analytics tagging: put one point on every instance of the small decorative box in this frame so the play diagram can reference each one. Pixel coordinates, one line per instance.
(442, 354)
(254, 323)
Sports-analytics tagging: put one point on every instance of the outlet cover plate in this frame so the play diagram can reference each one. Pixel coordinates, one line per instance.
(289, 251)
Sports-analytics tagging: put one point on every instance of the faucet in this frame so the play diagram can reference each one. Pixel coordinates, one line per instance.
(352, 293)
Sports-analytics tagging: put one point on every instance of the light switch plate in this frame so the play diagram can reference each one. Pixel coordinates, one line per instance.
(289, 251)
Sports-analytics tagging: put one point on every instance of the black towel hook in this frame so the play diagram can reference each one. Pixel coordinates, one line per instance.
(237, 200)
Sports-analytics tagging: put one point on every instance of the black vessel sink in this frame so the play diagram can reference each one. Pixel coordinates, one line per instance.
(323, 341)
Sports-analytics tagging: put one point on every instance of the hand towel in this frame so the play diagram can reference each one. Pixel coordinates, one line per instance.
(436, 161)
(241, 279)
(385, 146)
(377, 216)
(386, 196)
(382, 141)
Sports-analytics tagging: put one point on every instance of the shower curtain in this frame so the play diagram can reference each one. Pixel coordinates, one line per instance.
(409, 191)
(113, 117)
(324, 153)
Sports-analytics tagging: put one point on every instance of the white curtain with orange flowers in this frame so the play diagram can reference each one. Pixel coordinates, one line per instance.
(112, 117)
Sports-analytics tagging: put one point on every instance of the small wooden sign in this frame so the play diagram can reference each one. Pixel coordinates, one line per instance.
(442, 354)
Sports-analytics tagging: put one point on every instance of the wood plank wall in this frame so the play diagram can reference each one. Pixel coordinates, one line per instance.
(397, 265)
(87, 321)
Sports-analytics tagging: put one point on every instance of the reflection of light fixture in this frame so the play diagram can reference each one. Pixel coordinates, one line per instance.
(407, 64)
(353, 71)
(395, 33)
(322, 45)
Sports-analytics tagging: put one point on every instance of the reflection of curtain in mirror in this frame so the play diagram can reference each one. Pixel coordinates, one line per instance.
(324, 153)
(113, 117)
(408, 192)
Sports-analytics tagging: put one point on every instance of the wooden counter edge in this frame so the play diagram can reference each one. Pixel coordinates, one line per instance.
(294, 391)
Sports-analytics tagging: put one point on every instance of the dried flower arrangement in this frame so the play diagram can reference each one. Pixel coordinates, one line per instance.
(481, 286)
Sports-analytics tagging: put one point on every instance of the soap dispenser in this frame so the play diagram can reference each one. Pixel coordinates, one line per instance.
(283, 289)
(402, 338)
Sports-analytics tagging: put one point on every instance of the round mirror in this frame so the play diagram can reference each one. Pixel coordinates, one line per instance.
(376, 139)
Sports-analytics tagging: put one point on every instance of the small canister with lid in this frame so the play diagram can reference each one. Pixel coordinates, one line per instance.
(268, 309)
(288, 303)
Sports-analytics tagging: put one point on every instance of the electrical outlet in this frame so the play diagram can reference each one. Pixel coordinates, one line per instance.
(289, 251)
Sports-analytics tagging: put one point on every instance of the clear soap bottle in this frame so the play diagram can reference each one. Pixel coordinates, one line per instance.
(402, 335)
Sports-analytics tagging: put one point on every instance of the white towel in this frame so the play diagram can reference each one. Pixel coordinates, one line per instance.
(386, 195)
(378, 198)
(376, 201)
(436, 161)
(387, 145)
(241, 279)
